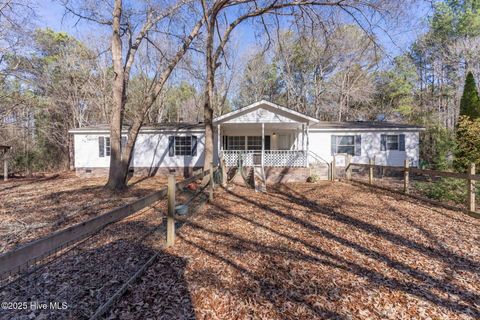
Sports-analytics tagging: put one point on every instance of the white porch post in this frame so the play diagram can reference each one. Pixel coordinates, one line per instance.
(297, 139)
(308, 144)
(263, 143)
(303, 136)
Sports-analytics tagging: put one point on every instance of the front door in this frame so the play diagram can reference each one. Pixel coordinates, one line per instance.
(285, 142)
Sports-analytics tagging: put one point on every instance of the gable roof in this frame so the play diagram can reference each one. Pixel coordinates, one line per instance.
(269, 105)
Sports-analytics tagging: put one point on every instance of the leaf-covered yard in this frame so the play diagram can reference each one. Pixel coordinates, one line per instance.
(312, 251)
(31, 208)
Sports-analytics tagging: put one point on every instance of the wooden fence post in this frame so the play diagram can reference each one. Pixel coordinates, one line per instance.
(371, 162)
(224, 172)
(406, 177)
(334, 169)
(5, 166)
(471, 188)
(171, 211)
(348, 173)
(211, 187)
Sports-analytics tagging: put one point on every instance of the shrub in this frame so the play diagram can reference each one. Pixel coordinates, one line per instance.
(450, 189)
(314, 178)
(437, 147)
(468, 143)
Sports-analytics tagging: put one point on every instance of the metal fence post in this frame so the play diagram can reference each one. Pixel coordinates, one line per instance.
(371, 162)
(348, 173)
(406, 177)
(471, 188)
(171, 210)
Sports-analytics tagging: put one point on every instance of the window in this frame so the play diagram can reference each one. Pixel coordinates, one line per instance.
(234, 143)
(254, 143)
(346, 144)
(351, 145)
(104, 148)
(182, 146)
(393, 142)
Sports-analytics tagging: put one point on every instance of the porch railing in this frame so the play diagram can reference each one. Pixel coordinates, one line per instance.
(272, 158)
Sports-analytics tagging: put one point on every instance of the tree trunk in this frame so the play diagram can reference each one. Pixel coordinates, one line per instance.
(209, 92)
(116, 176)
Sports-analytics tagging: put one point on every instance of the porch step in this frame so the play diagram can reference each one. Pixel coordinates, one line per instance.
(320, 170)
(259, 179)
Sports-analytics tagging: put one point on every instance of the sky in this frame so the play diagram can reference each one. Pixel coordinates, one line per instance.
(395, 42)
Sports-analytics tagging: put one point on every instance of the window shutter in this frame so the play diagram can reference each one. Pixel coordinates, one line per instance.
(333, 146)
(194, 145)
(171, 146)
(358, 145)
(401, 142)
(101, 147)
(383, 142)
(124, 142)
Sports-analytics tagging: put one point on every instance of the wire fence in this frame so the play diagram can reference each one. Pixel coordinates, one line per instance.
(91, 272)
(452, 189)
(33, 255)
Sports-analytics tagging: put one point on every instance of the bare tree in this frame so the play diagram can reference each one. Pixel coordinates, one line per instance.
(126, 41)
(363, 13)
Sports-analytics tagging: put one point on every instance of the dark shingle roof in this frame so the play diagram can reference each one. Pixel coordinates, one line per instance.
(153, 126)
(364, 125)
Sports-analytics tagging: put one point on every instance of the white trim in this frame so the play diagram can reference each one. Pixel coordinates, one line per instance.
(268, 103)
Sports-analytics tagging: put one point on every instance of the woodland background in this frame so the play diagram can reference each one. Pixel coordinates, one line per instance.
(330, 67)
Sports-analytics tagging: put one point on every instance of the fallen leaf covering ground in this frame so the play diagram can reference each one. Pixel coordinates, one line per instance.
(89, 274)
(314, 251)
(395, 181)
(32, 208)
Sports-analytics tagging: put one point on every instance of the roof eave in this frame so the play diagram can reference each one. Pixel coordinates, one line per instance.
(370, 129)
(271, 104)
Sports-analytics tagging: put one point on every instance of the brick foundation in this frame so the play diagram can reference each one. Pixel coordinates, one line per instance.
(281, 175)
(141, 172)
(273, 174)
(285, 175)
(91, 172)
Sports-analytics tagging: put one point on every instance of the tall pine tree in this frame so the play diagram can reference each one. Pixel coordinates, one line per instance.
(470, 102)
(467, 150)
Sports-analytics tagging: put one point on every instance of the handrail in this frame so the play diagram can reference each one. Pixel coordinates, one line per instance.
(317, 157)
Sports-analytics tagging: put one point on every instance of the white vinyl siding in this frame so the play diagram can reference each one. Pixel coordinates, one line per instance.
(371, 146)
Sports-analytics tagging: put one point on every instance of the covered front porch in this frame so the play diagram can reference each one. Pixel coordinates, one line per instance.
(264, 144)
(264, 134)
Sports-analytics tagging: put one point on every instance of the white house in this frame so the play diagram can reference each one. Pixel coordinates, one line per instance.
(289, 145)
